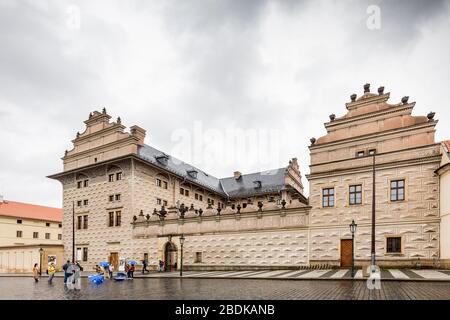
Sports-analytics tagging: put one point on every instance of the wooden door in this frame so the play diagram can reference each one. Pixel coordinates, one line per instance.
(346, 252)
(114, 260)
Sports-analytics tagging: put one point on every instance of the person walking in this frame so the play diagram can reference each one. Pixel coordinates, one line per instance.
(51, 272)
(144, 266)
(66, 274)
(36, 272)
(107, 271)
(111, 271)
(132, 268)
(127, 270)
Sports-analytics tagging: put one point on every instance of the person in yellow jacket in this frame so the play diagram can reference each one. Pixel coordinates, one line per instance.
(51, 272)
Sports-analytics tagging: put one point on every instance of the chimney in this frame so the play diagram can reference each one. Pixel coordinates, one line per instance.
(138, 132)
(237, 175)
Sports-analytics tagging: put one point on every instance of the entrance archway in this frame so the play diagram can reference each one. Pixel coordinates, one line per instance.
(170, 256)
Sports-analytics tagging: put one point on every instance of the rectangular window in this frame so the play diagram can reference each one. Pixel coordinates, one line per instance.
(79, 222)
(111, 177)
(201, 198)
(198, 257)
(60, 225)
(212, 201)
(328, 197)
(86, 183)
(158, 182)
(372, 152)
(397, 190)
(47, 224)
(360, 154)
(181, 191)
(47, 236)
(355, 194)
(85, 254)
(85, 222)
(79, 202)
(165, 203)
(393, 244)
(85, 202)
(19, 234)
(196, 196)
(111, 198)
(111, 219)
(186, 193)
(35, 235)
(118, 197)
(19, 221)
(59, 236)
(79, 254)
(79, 184)
(158, 201)
(119, 176)
(165, 184)
(118, 218)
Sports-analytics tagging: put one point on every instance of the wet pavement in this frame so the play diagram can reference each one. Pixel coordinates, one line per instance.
(225, 289)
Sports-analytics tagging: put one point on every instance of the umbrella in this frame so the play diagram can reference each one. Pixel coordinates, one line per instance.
(104, 264)
(132, 262)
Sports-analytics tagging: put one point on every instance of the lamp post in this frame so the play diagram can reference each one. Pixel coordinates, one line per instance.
(41, 252)
(353, 226)
(73, 231)
(372, 251)
(181, 260)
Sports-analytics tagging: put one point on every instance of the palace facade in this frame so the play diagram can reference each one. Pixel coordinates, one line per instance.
(132, 201)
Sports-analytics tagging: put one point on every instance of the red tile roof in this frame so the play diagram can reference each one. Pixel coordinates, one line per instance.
(447, 145)
(29, 211)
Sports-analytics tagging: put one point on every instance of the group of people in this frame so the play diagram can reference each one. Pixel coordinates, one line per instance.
(72, 272)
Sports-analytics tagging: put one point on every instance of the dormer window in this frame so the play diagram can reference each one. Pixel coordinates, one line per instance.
(360, 154)
(257, 184)
(192, 174)
(162, 159)
(372, 152)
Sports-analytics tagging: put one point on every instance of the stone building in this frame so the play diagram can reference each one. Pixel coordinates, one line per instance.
(407, 187)
(132, 201)
(138, 201)
(444, 176)
(24, 230)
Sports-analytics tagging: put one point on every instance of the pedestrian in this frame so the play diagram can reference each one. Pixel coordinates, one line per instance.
(107, 272)
(144, 266)
(163, 268)
(160, 266)
(111, 269)
(127, 270)
(132, 268)
(79, 266)
(36, 272)
(51, 272)
(66, 274)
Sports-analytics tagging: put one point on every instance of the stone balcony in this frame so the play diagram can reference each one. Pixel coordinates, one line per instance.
(246, 220)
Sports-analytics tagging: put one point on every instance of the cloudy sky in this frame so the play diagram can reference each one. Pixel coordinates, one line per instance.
(196, 74)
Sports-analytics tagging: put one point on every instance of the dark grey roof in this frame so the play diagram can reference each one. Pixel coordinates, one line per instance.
(255, 183)
(180, 168)
(248, 185)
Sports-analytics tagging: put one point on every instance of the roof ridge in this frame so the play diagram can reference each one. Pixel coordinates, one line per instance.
(248, 174)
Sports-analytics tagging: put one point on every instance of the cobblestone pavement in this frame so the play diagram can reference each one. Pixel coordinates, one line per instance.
(226, 289)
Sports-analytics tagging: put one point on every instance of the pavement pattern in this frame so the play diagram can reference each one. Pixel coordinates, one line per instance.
(332, 274)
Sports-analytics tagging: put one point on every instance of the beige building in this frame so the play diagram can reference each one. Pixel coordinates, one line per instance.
(132, 201)
(444, 176)
(407, 188)
(24, 230)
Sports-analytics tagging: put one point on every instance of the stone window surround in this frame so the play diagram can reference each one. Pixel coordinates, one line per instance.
(114, 211)
(402, 245)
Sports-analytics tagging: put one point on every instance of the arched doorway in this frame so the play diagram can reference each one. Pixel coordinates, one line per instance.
(170, 256)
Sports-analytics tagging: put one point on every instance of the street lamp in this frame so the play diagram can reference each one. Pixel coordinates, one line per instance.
(41, 252)
(181, 262)
(353, 226)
